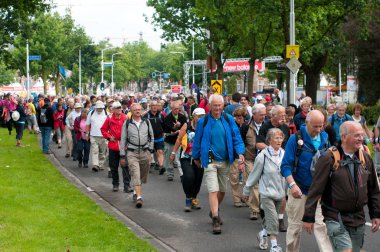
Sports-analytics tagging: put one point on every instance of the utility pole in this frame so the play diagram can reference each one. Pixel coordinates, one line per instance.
(292, 82)
(80, 71)
(27, 68)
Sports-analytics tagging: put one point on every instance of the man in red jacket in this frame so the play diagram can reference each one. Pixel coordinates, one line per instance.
(111, 130)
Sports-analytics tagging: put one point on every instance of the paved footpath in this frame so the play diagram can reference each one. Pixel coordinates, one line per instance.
(162, 221)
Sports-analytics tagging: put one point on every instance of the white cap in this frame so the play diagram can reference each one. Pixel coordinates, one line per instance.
(131, 94)
(199, 111)
(99, 104)
(259, 97)
(78, 105)
(116, 105)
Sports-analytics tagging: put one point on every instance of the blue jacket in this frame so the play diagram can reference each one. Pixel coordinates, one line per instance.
(303, 175)
(337, 122)
(202, 139)
(299, 120)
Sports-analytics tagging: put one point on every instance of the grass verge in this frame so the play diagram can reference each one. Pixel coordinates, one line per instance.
(41, 211)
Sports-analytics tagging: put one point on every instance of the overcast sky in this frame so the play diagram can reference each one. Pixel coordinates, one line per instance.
(119, 20)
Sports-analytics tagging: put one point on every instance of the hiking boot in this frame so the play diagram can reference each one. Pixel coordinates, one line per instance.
(238, 204)
(109, 174)
(195, 204)
(170, 179)
(95, 168)
(253, 216)
(188, 205)
(162, 171)
(156, 167)
(276, 249)
(67, 155)
(134, 197)
(220, 219)
(139, 203)
(216, 225)
(59, 146)
(263, 241)
(281, 225)
(85, 166)
(115, 188)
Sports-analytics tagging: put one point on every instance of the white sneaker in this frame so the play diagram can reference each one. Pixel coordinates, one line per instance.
(276, 249)
(263, 241)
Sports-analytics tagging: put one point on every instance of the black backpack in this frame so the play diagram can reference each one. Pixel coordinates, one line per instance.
(43, 117)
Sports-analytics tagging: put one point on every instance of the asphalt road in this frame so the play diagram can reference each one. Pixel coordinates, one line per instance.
(163, 221)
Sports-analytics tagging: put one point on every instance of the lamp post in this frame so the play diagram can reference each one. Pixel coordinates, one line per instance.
(112, 84)
(160, 77)
(27, 68)
(107, 48)
(292, 82)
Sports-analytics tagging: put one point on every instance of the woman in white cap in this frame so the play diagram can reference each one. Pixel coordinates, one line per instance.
(192, 175)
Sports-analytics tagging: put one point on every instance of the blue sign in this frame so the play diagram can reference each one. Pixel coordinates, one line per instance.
(34, 57)
(165, 75)
(194, 86)
(107, 64)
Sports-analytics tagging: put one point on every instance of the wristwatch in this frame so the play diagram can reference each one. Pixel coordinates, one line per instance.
(173, 153)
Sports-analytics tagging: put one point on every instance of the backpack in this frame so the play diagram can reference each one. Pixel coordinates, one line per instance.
(337, 158)
(142, 120)
(301, 147)
(160, 116)
(43, 117)
(206, 119)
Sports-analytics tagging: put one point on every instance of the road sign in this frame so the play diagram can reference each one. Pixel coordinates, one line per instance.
(292, 51)
(217, 86)
(70, 90)
(194, 86)
(107, 64)
(34, 57)
(176, 89)
(294, 64)
(154, 75)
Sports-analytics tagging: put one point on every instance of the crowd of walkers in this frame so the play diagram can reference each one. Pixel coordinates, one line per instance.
(312, 165)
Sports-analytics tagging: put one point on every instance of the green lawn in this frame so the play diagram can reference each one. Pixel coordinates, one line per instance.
(41, 211)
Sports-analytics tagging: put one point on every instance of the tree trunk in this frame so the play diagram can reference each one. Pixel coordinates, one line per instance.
(219, 64)
(312, 72)
(44, 79)
(57, 79)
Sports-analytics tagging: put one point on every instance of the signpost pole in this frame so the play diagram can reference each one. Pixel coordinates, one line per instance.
(292, 82)
(27, 68)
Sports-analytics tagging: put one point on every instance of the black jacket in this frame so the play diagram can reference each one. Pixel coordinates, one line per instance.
(49, 116)
(157, 122)
(170, 121)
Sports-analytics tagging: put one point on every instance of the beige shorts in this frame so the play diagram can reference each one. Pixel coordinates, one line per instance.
(216, 176)
(138, 164)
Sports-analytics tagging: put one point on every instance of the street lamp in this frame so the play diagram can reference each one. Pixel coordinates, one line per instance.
(112, 84)
(160, 76)
(183, 54)
(108, 48)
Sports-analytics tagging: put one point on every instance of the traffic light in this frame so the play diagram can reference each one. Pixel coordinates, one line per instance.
(102, 86)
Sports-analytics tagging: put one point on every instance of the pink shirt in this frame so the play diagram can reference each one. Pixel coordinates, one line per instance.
(82, 126)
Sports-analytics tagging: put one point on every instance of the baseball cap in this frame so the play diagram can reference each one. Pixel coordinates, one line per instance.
(99, 104)
(116, 105)
(78, 105)
(144, 100)
(199, 111)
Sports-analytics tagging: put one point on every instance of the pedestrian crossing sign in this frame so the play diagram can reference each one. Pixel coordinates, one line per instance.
(292, 51)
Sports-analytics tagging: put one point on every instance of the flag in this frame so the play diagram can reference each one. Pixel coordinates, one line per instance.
(65, 73)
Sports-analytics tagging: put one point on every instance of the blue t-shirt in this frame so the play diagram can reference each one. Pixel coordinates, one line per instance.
(315, 141)
(218, 143)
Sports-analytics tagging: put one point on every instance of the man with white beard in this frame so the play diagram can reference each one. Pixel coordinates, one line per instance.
(95, 120)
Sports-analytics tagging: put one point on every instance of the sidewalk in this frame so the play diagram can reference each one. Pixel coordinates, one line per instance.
(162, 220)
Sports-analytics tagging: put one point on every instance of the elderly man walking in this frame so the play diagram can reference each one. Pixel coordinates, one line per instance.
(217, 141)
(95, 120)
(345, 181)
(136, 145)
(297, 167)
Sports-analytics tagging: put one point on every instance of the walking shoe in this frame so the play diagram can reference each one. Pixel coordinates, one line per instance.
(238, 204)
(59, 146)
(188, 205)
(253, 216)
(95, 168)
(220, 219)
(276, 249)
(195, 204)
(170, 179)
(156, 167)
(162, 171)
(281, 225)
(85, 166)
(216, 229)
(67, 155)
(128, 189)
(74, 159)
(263, 241)
(115, 188)
(139, 203)
(109, 174)
(134, 197)
(80, 165)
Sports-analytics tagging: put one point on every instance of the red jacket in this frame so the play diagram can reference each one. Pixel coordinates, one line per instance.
(78, 133)
(204, 104)
(112, 127)
(58, 119)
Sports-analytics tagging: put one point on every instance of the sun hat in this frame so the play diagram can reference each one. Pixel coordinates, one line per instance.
(199, 111)
(116, 105)
(99, 104)
(78, 105)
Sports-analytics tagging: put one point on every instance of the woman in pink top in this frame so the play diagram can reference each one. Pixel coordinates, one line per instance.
(59, 126)
(83, 140)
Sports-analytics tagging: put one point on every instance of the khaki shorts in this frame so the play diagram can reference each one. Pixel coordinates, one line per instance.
(216, 176)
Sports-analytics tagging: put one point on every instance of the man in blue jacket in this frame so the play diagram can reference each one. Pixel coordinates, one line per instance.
(296, 167)
(217, 142)
(339, 118)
